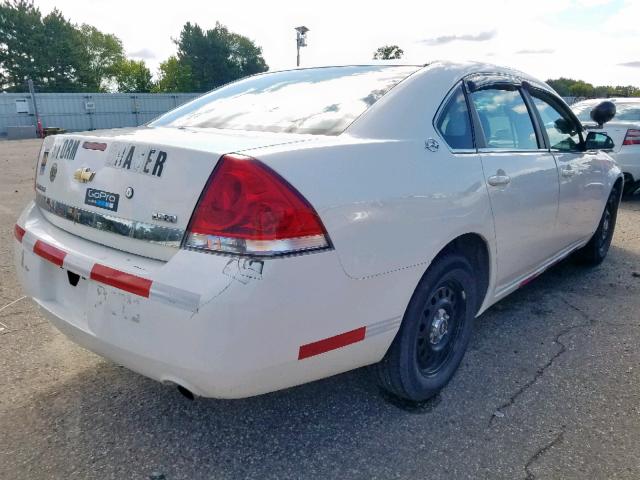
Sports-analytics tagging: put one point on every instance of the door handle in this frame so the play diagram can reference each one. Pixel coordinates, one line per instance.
(498, 180)
(568, 172)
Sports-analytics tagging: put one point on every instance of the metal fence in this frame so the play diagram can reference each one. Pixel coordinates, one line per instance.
(86, 111)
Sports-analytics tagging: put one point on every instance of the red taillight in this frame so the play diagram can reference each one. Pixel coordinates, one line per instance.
(247, 208)
(18, 232)
(632, 137)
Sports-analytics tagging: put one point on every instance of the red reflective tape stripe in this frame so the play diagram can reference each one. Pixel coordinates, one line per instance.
(122, 280)
(95, 146)
(49, 252)
(331, 343)
(527, 281)
(19, 232)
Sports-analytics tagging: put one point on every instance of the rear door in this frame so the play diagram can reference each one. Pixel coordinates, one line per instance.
(582, 176)
(521, 176)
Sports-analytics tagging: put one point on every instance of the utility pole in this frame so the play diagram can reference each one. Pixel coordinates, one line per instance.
(35, 107)
(301, 40)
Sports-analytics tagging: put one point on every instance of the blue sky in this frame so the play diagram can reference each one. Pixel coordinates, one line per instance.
(587, 39)
(588, 16)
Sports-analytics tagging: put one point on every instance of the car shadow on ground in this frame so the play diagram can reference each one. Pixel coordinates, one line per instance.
(631, 202)
(107, 419)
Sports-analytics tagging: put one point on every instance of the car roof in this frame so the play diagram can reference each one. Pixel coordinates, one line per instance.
(456, 68)
(447, 71)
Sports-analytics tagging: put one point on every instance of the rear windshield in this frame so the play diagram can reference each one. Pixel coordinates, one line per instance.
(321, 101)
(625, 111)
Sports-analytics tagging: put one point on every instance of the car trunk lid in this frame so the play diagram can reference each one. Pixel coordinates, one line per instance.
(134, 189)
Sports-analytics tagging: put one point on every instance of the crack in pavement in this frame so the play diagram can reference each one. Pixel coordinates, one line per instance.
(499, 412)
(12, 331)
(585, 315)
(593, 321)
(589, 321)
(13, 314)
(12, 303)
(540, 452)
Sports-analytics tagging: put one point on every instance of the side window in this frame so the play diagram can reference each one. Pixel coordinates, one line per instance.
(454, 124)
(505, 119)
(563, 133)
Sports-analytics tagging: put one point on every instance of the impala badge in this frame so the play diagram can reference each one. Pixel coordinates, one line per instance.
(164, 217)
(84, 175)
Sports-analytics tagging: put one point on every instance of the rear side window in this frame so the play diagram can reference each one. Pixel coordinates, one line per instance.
(505, 119)
(454, 124)
(321, 101)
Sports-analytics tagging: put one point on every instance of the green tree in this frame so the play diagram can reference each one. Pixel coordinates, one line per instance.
(246, 56)
(133, 76)
(62, 57)
(581, 89)
(603, 91)
(561, 85)
(104, 55)
(626, 91)
(208, 59)
(568, 87)
(388, 52)
(46, 49)
(56, 54)
(173, 77)
(21, 39)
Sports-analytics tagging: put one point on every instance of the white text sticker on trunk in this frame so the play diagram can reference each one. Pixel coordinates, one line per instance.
(141, 159)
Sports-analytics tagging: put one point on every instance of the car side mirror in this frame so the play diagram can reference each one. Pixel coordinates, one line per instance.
(564, 126)
(599, 141)
(603, 112)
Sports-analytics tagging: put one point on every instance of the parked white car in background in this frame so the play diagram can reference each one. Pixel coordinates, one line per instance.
(298, 224)
(624, 130)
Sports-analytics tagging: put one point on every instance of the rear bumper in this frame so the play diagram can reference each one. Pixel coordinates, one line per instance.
(220, 326)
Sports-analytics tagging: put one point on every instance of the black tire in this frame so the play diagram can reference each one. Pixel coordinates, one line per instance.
(435, 331)
(630, 187)
(594, 252)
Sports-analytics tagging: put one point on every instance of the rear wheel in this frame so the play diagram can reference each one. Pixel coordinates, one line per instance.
(435, 331)
(594, 252)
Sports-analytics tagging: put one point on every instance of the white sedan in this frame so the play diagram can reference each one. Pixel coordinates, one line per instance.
(298, 224)
(624, 130)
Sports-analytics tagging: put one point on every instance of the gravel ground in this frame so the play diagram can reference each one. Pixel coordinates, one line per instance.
(548, 389)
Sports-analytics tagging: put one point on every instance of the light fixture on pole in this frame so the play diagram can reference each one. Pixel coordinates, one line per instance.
(301, 40)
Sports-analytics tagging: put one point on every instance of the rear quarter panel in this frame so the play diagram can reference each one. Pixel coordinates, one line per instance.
(626, 156)
(387, 202)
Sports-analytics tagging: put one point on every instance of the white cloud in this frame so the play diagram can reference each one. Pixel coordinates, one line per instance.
(632, 64)
(143, 53)
(535, 51)
(467, 37)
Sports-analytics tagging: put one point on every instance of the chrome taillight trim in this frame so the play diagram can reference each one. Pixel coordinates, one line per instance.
(260, 248)
(157, 234)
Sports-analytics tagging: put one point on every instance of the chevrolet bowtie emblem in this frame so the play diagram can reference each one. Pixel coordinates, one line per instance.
(84, 175)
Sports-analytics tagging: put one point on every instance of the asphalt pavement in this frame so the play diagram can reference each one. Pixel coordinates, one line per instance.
(550, 388)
